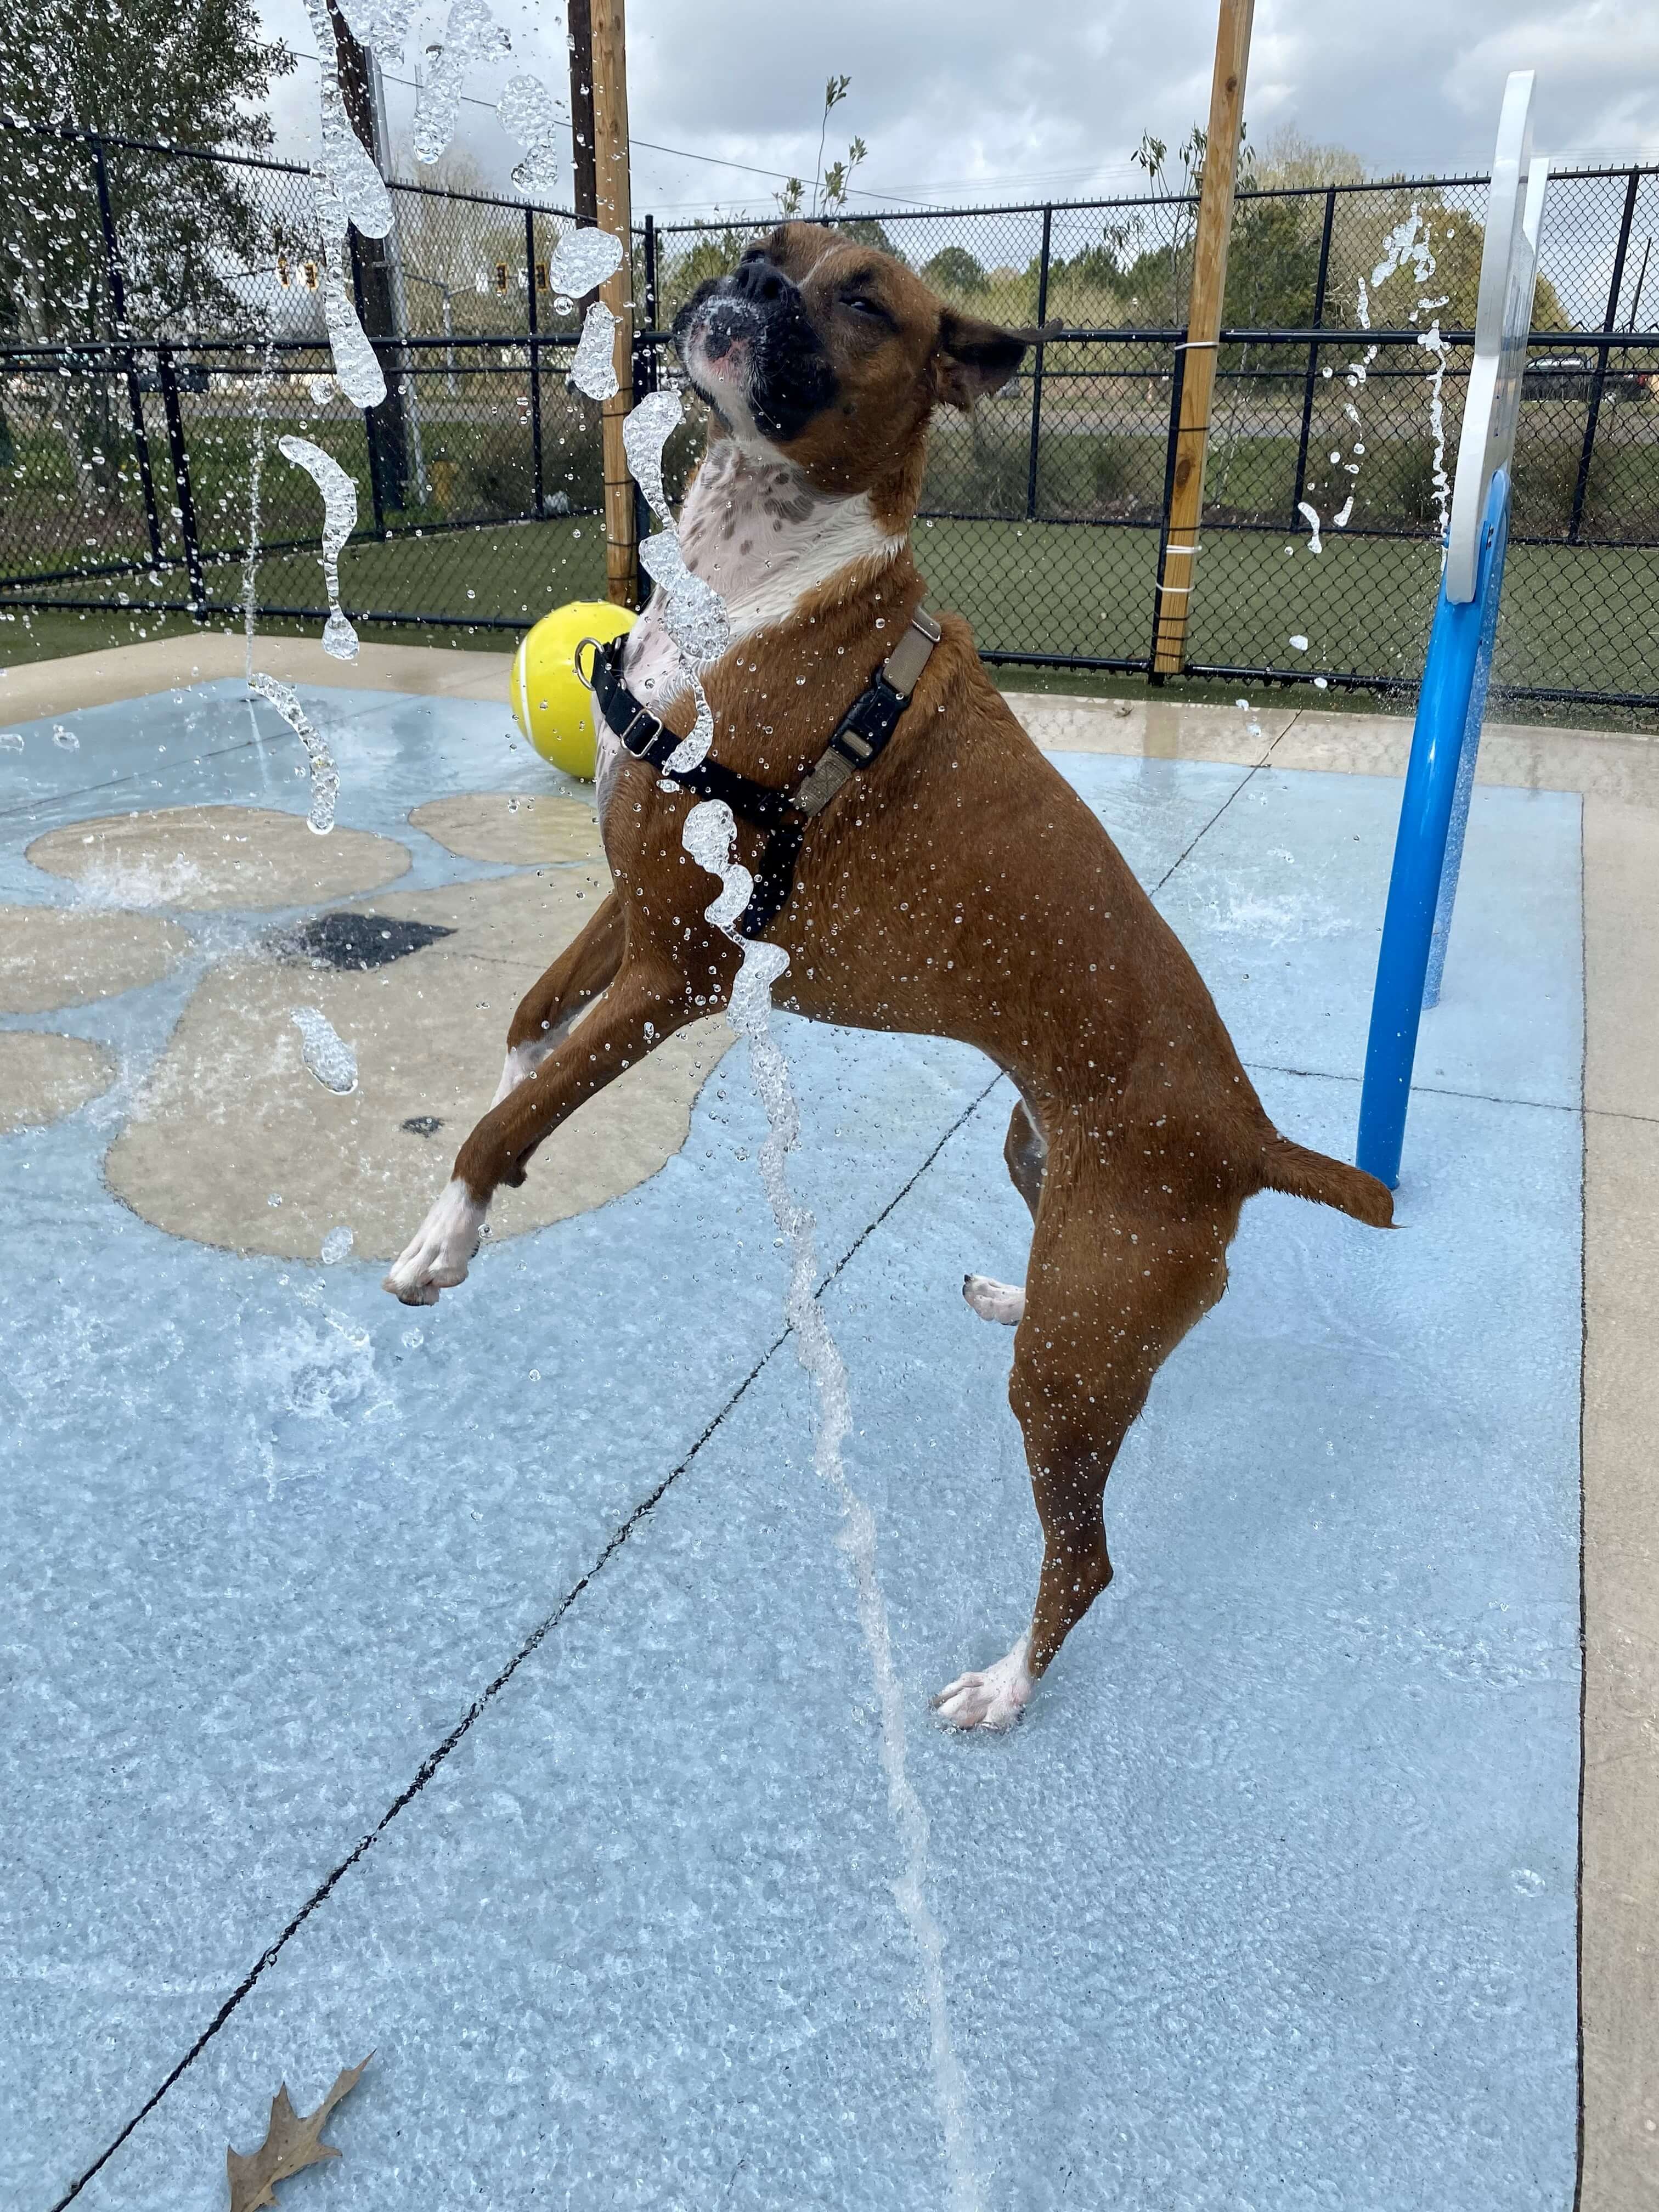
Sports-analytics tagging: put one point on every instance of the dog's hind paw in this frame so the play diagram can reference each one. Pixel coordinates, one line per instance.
(438, 1256)
(994, 1699)
(995, 1301)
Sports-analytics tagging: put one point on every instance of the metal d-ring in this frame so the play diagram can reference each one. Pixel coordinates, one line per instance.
(586, 681)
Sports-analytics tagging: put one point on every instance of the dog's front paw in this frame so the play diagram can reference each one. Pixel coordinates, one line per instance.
(994, 1699)
(437, 1257)
(995, 1301)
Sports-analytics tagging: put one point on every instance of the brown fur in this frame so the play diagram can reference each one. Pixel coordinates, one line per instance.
(958, 888)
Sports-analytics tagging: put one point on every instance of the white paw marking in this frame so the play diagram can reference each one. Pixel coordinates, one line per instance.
(521, 1064)
(995, 1301)
(994, 1699)
(437, 1257)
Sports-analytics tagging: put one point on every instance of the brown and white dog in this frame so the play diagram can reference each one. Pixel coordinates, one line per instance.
(957, 887)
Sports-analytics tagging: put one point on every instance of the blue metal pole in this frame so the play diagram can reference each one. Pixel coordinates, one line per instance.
(1447, 725)
(1488, 594)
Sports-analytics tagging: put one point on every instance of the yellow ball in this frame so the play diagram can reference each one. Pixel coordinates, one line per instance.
(551, 703)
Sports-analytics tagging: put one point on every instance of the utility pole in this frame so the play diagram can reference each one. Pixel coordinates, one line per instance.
(584, 187)
(613, 211)
(1183, 520)
(580, 25)
(394, 438)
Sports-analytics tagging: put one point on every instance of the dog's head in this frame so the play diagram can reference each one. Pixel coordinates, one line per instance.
(835, 356)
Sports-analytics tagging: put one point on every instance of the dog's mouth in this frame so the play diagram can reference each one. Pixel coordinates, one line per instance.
(717, 345)
(759, 364)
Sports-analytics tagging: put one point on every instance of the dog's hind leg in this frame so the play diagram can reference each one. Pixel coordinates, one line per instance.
(646, 1001)
(1025, 1151)
(1111, 1295)
(547, 1011)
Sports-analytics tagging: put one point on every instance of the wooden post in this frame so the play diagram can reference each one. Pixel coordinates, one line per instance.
(1215, 222)
(613, 204)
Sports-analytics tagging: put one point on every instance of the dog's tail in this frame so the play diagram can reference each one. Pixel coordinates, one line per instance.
(1315, 1176)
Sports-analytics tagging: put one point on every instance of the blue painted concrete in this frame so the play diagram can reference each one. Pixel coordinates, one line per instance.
(1269, 1902)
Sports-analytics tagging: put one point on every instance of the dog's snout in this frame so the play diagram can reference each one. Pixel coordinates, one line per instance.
(761, 281)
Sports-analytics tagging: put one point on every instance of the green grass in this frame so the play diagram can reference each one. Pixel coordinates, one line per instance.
(1574, 617)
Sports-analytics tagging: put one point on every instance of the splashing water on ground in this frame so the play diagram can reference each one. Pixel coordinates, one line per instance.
(696, 619)
(593, 367)
(339, 520)
(326, 1054)
(324, 776)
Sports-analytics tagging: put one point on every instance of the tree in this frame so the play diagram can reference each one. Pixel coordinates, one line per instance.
(954, 268)
(1288, 162)
(192, 72)
(867, 231)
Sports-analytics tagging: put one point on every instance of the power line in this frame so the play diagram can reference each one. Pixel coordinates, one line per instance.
(877, 196)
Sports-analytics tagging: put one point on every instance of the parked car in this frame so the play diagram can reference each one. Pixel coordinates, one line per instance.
(1572, 376)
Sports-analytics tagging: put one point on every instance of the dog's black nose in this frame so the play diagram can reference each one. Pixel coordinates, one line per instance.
(760, 281)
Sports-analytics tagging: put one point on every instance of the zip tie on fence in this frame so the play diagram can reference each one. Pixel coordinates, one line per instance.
(1191, 345)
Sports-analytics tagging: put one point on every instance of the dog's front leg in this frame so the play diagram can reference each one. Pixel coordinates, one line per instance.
(548, 1008)
(648, 1001)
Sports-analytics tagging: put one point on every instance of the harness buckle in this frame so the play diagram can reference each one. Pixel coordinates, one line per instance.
(814, 793)
(586, 680)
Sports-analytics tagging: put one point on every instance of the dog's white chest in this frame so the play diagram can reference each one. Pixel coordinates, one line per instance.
(757, 531)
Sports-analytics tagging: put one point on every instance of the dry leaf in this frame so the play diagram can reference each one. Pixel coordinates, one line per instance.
(290, 2143)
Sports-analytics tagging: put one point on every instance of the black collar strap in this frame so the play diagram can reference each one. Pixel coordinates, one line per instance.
(860, 738)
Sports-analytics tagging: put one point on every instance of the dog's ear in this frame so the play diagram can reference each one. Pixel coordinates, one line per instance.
(973, 357)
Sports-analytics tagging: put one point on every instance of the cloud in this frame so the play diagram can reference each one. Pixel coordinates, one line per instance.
(971, 101)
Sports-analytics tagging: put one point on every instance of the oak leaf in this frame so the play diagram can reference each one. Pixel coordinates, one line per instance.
(291, 2142)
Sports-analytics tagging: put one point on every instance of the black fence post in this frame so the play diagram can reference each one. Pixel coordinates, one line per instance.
(535, 363)
(650, 258)
(1176, 378)
(1036, 369)
(115, 278)
(169, 383)
(1300, 491)
(1599, 380)
(371, 428)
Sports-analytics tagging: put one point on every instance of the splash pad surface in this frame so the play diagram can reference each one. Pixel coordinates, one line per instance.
(1271, 1897)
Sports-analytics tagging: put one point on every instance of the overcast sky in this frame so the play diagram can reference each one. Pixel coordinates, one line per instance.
(974, 101)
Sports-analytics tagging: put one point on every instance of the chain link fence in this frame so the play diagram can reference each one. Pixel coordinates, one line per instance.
(163, 325)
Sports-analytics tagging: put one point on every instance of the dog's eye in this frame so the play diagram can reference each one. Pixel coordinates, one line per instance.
(871, 309)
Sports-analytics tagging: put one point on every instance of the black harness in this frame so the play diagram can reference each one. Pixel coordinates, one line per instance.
(785, 816)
